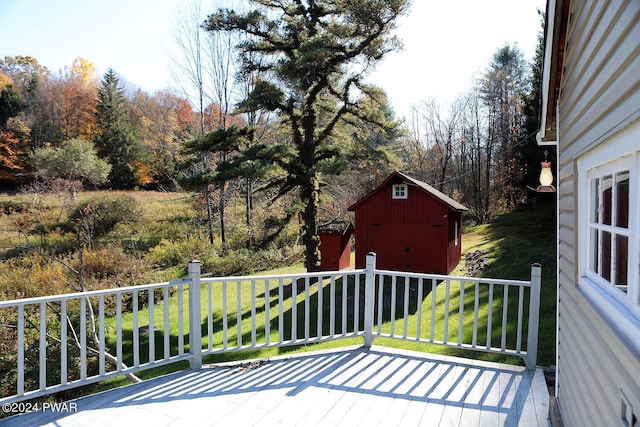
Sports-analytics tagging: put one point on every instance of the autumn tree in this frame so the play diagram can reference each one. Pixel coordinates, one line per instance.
(73, 98)
(313, 58)
(117, 142)
(28, 78)
(11, 144)
(11, 157)
(64, 105)
(162, 121)
(24, 71)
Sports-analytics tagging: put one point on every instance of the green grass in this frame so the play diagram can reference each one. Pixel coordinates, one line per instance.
(246, 322)
(513, 241)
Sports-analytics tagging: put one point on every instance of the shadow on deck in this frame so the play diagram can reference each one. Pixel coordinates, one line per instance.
(349, 386)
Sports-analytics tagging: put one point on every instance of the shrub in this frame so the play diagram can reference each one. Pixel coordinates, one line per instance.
(170, 253)
(9, 207)
(54, 240)
(240, 261)
(31, 275)
(236, 262)
(244, 261)
(100, 215)
(111, 267)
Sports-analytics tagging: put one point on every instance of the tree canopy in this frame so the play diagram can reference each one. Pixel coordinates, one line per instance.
(312, 58)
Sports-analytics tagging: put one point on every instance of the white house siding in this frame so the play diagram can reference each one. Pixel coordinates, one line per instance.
(594, 366)
(600, 95)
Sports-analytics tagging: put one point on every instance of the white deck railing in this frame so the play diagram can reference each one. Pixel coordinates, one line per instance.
(71, 340)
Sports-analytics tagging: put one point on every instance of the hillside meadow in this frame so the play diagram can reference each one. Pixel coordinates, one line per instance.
(127, 238)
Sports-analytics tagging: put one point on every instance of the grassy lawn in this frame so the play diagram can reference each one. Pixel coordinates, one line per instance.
(512, 242)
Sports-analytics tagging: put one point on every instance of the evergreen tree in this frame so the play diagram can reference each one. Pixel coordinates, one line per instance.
(117, 142)
(10, 104)
(312, 58)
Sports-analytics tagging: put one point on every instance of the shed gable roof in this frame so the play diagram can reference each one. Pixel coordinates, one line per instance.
(419, 184)
(336, 227)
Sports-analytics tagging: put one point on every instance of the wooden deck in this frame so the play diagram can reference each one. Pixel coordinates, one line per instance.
(348, 386)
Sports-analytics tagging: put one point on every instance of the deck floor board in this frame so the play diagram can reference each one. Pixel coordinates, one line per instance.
(341, 387)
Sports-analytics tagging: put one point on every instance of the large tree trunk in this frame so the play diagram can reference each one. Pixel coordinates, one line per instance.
(310, 193)
(310, 189)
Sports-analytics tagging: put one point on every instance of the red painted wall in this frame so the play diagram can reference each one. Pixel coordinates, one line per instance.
(413, 234)
(335, 251)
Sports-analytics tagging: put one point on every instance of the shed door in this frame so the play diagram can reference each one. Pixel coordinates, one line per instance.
(406, 246)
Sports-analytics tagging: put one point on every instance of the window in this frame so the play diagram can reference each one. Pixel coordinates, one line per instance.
(399, 191)
(608, 206)
(609, 225)
(456, 231)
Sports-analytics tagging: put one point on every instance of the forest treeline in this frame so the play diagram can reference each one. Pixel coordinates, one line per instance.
(244, 129)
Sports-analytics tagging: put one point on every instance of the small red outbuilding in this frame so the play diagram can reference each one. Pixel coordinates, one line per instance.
(335, 246)
(410, 225)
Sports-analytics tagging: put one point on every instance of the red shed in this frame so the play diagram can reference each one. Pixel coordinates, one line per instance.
(410, 225)
(335, 246)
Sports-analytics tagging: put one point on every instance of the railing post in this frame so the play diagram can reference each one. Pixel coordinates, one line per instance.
(195, 331)
(534, 316)
(368, 298)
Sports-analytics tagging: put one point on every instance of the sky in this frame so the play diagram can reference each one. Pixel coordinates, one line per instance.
(447, 43)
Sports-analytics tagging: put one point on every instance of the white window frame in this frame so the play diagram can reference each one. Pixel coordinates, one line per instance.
(619, 153)
(611, 170)
(400, 191)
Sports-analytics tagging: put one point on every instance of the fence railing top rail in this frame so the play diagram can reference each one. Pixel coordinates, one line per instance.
(282, 276)
(460, 278)
(88, 294)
